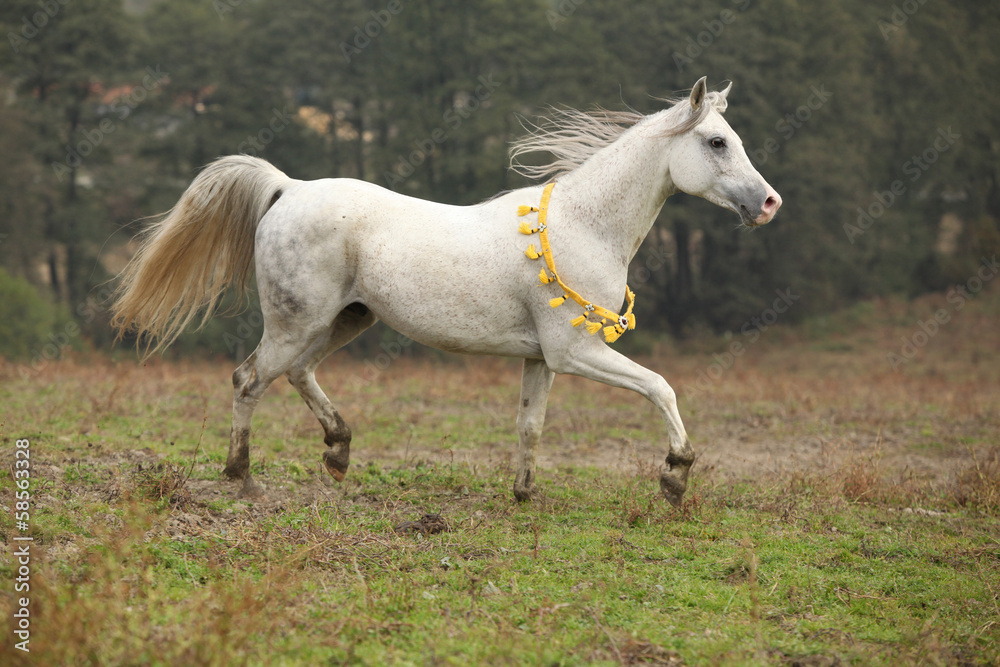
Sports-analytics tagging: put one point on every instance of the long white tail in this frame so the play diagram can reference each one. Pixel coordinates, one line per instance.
(200, 247)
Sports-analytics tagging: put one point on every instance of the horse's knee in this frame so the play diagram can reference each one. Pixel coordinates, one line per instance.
(244, 370)
(245, 382)
(529, 427)
(297, 377)
(662, 393)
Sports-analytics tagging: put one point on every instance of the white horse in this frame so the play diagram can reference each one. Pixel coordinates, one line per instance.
(333, 256)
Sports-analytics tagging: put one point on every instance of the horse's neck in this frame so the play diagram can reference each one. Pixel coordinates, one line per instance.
(618, 192)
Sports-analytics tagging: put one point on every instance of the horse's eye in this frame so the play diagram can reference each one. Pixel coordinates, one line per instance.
(718, 142)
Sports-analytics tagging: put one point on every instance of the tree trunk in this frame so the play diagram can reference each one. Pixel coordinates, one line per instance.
(71, 233)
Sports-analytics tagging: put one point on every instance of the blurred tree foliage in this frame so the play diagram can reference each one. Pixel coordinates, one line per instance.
(110, 107)
(32, 327)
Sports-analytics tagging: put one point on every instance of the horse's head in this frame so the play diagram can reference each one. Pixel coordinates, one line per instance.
(707, 159)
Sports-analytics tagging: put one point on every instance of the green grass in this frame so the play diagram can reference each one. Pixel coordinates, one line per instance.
(840, 513)
(599, 570)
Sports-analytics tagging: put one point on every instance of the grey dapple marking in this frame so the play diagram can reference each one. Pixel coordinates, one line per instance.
(334, 255)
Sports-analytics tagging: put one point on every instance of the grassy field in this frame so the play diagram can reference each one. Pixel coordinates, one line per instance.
(841, 511)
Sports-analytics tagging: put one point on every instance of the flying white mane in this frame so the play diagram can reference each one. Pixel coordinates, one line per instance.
(571, 136)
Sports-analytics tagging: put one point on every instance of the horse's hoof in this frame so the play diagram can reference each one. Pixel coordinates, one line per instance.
(336, 464)
(523, 493)
(672, 488)
(235, 470)
(251, 489)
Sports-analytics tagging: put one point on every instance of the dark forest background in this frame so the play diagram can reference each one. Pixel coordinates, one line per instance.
(876, 121)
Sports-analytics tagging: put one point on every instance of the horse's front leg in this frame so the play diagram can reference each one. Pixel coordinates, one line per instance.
(536, 381)
(599, 362)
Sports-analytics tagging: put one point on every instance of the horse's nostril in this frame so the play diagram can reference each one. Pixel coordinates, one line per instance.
(770, 204)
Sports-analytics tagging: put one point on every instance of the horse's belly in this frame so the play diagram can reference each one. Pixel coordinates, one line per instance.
(446, 280)
(458, 328)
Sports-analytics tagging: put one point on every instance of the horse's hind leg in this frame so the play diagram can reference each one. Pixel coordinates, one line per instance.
(536, 381)
(349, 323)
(275, 353)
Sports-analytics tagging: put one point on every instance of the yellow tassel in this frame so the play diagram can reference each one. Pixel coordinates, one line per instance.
(621, 323)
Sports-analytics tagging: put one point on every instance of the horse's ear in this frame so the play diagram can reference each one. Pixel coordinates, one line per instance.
(722, 104)
(698, 93)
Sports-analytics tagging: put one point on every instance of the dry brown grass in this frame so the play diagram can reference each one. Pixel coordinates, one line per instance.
(104, 608)
(978, 484)
(155, 482)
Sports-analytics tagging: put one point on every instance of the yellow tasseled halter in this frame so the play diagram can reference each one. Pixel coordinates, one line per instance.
(621, 322)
